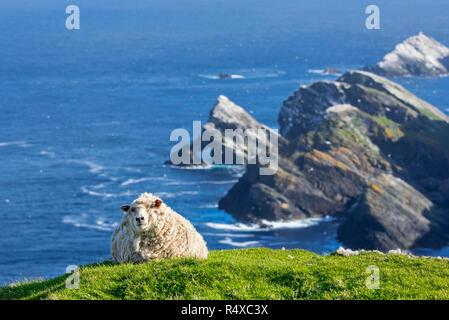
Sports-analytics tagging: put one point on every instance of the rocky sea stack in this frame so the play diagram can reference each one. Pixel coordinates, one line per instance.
(362, 148)
(227, 115)
(417, 56)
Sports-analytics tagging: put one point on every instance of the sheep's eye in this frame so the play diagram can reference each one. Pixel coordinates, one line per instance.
(133, 210)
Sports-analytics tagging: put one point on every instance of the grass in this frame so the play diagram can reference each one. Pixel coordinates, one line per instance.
(423, 110)
(392, 127)
(350, 133)
(251, 274)
(387, 95)
(429, 114)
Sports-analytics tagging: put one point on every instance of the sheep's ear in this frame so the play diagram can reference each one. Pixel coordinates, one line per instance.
(125, 208)
(157, 203)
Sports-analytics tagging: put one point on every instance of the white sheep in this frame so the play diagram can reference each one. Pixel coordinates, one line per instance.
(151, 230)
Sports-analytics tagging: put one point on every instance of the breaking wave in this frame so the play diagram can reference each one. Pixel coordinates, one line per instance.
(137, 181)
(80, 222)
(227, 235)
(22, 144)
(93, 167)
(230, 242)
(269, 225)
(50, 154)
(105, 194)
(175, 194)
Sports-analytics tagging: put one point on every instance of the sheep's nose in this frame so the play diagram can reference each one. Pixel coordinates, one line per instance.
(140, 219)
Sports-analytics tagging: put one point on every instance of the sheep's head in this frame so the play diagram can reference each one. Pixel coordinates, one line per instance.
(143, 212)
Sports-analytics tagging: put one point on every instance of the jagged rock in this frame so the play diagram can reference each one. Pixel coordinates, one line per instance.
(305, 109)
(391, 214)
(227, 115)
(362, 148)
(418, 55)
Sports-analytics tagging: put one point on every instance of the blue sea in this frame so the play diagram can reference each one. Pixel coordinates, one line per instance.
(86, 115)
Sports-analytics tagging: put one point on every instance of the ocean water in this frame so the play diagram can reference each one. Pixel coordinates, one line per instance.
(86, 115)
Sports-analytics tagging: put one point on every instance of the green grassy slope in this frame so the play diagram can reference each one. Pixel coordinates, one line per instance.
(251, 274)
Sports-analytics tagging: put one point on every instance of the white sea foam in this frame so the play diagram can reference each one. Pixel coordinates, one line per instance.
(98, 186)
(192, 167)
(235, 226)
(323, 72)
(180, 183)
(105, 194)
(209, 206)
(80, 222)
(317, 71)
(93, 167)
(269, 225)
(233, 235)
(136, 181)
(22, 144)
(175, 194)
(218, 182)
(190, 183)
(237, 169)
(47, 153)
(238, 244)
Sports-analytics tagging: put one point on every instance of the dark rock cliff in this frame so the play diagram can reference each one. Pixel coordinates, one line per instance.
(362, 148)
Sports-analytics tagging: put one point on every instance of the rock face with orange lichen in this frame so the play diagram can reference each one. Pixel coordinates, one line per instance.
(362, 148)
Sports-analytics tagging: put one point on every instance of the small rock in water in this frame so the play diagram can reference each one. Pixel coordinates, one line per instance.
(331, 71)
(224, 76)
